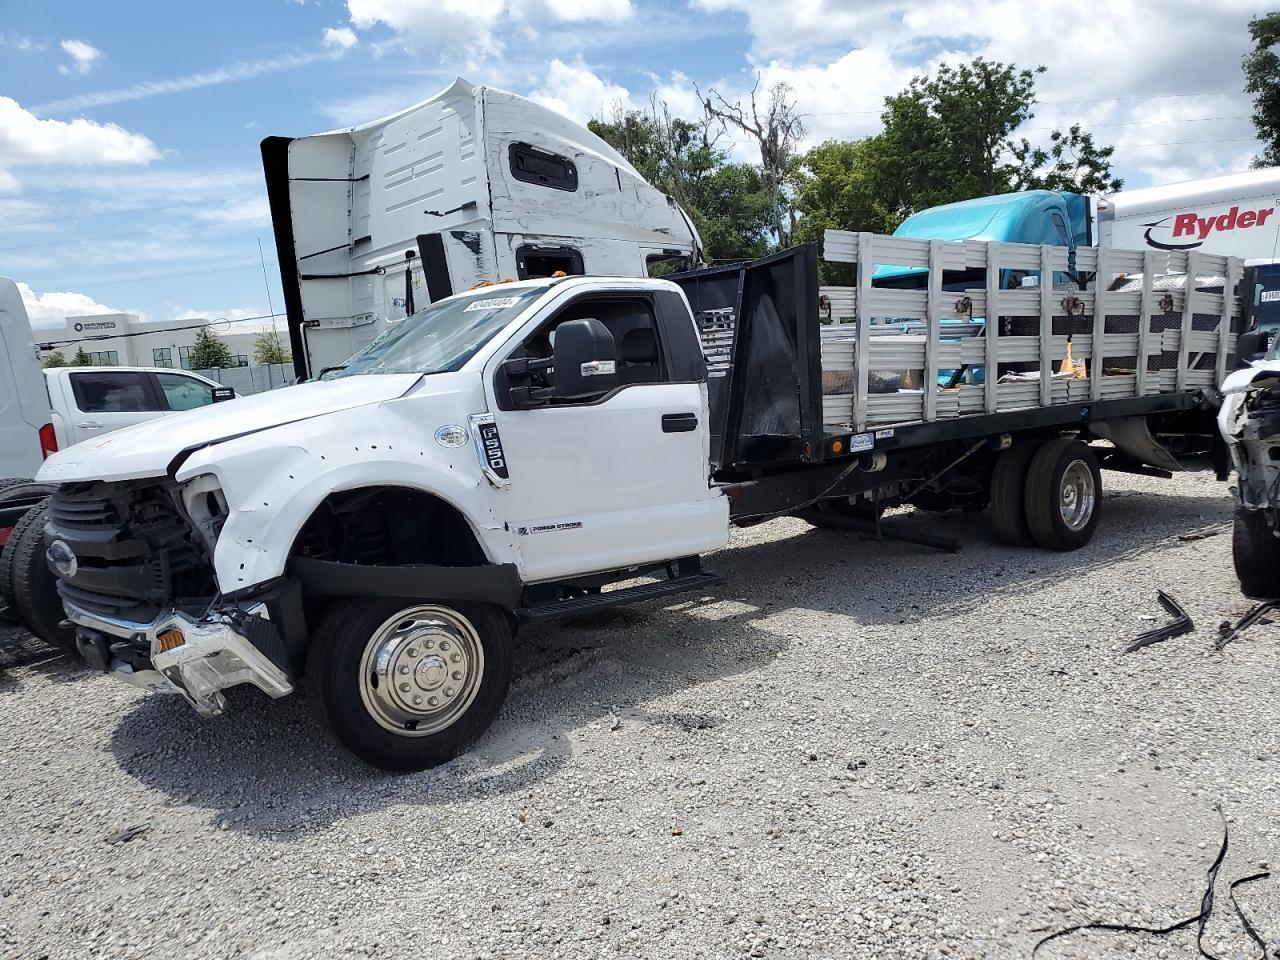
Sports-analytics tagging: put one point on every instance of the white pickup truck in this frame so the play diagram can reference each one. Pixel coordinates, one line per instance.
(547, 447)
(89, 402)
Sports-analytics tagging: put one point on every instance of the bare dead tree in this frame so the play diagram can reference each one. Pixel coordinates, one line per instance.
(680, 141)
(776, 128)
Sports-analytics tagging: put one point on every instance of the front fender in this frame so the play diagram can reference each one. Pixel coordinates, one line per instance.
(274, 480)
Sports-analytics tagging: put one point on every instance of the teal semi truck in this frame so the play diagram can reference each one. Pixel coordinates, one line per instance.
(1232, 215)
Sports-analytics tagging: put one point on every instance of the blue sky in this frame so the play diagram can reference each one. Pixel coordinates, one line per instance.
(129, 169)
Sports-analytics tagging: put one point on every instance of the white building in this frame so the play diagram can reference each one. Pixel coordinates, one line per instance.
(121, 339)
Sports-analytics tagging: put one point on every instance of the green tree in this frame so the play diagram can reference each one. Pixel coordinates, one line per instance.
(267, 348)
(1071, 162)
(55, 359)
(81, 359)
(836, 188)
(728, 202)
(946, 138)
(1262, 80)
(209, 352)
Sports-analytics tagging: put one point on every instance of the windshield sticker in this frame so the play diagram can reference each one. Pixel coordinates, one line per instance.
(492, 303)
(1270, 296)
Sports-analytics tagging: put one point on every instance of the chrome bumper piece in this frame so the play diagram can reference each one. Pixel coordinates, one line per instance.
(212, 656)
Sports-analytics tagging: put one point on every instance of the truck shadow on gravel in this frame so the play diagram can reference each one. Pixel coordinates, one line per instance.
(266, 769)
(891, 582)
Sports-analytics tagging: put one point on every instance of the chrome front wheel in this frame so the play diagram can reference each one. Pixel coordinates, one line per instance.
(407, 685)
(421, 670)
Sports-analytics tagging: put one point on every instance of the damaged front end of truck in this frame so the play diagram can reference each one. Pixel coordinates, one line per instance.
(136, 580)
(1250, 425)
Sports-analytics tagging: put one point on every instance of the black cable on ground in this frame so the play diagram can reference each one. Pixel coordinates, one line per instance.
(1200, 919)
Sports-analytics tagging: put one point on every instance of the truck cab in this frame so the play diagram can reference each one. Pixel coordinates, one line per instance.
(473, 184)
(512, 448)
(1058, 218)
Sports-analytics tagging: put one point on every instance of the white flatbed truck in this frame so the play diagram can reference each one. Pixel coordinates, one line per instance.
(542, 448)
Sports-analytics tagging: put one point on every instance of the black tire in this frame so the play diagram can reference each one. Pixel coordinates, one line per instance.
(1255, 551)
(1009, 494)
(34, 587)
(1045, 494)
(17, 496)
(333, 683)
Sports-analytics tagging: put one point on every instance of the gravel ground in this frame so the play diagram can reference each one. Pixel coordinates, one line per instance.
(853, 750)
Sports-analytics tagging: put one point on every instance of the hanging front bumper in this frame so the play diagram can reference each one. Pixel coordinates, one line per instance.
(195, 658)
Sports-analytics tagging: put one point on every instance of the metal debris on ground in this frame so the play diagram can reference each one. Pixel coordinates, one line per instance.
(1228, 631)
(1199, 920)
(128, 833)
(1200, 534)
(1180, 624)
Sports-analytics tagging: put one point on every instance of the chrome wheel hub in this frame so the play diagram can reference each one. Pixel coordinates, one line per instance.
(1077, 495)
(421, 670)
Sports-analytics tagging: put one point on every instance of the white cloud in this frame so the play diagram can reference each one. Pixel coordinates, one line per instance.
(244, 70)
(246, 208)
(83, 56)
(575, 91)
(50, 310)
(28, 139)
(608, 11)
(21, 43)
(440, 23)
(1098, 73)
(340, 38)
(8, 182)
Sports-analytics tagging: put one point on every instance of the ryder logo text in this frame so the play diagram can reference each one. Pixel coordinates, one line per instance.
(1190, 229)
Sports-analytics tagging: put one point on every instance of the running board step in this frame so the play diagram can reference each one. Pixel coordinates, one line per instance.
(616, 598)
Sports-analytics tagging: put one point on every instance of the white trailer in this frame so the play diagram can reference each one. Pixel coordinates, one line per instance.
(473, 184)
(1233, 216)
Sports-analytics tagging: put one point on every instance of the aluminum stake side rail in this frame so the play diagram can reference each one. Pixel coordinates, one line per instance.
(542, 448)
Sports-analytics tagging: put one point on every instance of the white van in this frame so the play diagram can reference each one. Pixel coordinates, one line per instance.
(26, 428)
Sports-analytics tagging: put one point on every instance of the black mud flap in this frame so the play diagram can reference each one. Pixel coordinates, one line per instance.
(494, 583)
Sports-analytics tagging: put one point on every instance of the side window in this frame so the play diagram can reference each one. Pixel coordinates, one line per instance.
(634, 326)
(531, 165)
(184, 393)
(112, 393)
(665, 264)
(1060, 228)
(534, 261)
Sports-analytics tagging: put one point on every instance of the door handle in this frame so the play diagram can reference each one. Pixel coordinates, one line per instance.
(89, 425)
(679, 422)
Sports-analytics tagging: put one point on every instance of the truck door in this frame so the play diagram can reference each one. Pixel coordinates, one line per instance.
(107, 400)
(619, 479)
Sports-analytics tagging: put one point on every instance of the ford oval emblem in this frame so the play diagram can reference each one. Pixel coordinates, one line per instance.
(62, 558)
(451, 435)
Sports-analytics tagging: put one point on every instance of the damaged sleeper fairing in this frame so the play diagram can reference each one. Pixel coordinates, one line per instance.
(1250, 424)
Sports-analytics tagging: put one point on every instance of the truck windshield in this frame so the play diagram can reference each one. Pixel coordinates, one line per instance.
(444, 336)
(1266, 297)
